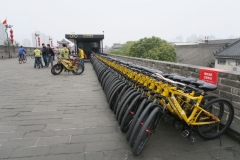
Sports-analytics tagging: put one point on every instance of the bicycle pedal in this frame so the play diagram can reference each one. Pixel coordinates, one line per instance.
(185, 133)
(191, 139)
(165, 119)
(176, 126)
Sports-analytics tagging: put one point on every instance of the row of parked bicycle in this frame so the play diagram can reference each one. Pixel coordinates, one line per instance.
(142, 97)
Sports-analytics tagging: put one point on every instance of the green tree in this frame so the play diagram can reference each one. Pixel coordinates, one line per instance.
(153, 48)
(123, 50)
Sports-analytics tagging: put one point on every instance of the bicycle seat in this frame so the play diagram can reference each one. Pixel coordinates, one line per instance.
(178, 78)
(197, 83)
(188, 80)
(135, 66)
(158, 96)
(172, 75)
(166, 75)
(208, 87)
(157, 71)
(146, 89)
(151, 93)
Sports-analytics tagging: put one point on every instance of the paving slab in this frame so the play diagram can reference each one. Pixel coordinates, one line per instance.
(46, 117)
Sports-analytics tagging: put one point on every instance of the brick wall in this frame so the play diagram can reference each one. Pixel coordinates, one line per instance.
(13, 51)
(228, 82)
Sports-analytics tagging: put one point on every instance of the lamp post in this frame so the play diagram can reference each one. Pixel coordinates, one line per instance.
(36, 35)
(8, 26)
(38, 41)
(50, 40)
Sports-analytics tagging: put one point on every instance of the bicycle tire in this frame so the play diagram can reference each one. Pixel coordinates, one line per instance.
(115, 95)
(119, 97)
(111, 88)
(58, 67)
(125, 106)
(128, 116)
(111, 85)
(145, 132)
(24, 59)
(135, 117)
(81, 71)
(108, 77)
(123, 99)
(222, 127)
(207, 98)
(104, 76)
(140, 122)
(120, 83)
(109, 82)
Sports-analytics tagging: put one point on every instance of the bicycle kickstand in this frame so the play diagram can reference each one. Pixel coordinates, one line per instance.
(187, 134)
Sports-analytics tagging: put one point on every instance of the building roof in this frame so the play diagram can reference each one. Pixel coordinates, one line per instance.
(63, 41)
(199, 54)
(230, 51)
(218, 41)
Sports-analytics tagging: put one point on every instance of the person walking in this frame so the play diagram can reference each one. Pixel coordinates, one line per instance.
(44, 54)
(54, 54)
(38, 56)
(81, 55)
(50, 55)
(57, 52)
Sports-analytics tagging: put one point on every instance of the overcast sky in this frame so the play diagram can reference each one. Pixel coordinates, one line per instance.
(122, 20)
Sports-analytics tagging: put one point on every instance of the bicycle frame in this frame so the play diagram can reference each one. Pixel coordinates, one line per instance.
(69, 64)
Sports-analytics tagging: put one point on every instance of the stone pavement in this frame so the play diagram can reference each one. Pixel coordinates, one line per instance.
(66, 117)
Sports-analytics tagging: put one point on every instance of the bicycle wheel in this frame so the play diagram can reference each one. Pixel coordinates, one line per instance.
(20, 61)
(221, 108)
(145, 132)
(125, 106)
(115, 95)
(79, 70)
(57, 69)
(128, 115)
(120, 97)
(123, 99)
(140, 123)
(207, 98)
(38, 64)
(136, 113)
(24, 59)
(120, 83)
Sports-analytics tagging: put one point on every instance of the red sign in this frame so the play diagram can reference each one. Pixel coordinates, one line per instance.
(210, 75)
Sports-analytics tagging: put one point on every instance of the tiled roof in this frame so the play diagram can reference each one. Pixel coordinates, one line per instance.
(199, 54)
(231, 51)
(63, 41)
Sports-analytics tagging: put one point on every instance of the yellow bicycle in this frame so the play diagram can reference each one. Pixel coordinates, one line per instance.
(72, 65)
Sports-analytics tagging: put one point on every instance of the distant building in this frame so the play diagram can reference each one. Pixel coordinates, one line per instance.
(3, 35)
(116, 45)
(229, 57)
(26, 43)
(43, 39)
(200, 53)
